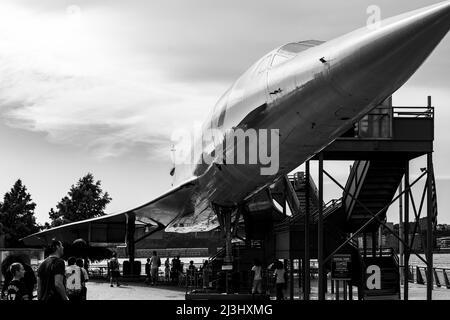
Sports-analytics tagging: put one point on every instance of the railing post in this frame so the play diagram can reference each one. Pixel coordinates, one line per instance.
(350, 291)
(345, 289)
(419, 278)
(436, 278)
(447, 283)
(291, 278)
(337, 289)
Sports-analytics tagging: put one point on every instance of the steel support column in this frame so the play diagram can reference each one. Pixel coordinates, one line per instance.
(406, 235)
(131, 229)
(320, 232)
(429, 227)
(307, 286)
(400, 232)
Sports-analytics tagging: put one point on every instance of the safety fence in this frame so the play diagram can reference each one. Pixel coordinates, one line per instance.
(419, 275)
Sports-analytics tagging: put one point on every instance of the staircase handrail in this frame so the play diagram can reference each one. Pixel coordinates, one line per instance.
(354, 184)
(327, 209)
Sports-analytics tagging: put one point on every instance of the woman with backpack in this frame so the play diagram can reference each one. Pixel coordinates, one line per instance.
(74, 279)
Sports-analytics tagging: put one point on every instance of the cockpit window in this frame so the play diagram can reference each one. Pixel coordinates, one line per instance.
(297, 47)
(278, 59)
(264, 64)
(290, 50)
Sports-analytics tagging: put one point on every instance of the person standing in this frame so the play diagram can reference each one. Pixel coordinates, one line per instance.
(114, 270)
(16, 289)
(147, 271)
(51, 275)
(280, 279)
(73, 280)
(84, 279)
(257, 277)
(167, 270)
(206, 271)
(175, 269)
(155, 264)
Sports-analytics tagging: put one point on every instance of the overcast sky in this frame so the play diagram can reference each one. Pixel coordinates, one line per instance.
(98, 86)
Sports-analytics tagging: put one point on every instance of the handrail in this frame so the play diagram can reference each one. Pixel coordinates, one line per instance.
(354, 183)
(407, 111)
(419, 279)
(327, 208)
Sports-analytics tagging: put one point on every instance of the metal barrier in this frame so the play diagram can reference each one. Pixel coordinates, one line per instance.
(239, 282)
(418, 274)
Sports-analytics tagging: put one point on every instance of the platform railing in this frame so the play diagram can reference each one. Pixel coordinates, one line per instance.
(209, 281)
(418, 274)
(413, 112)
(378, 123)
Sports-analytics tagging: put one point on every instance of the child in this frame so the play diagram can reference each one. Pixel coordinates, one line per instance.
(257, 278)
(16, 289)
(280, 279)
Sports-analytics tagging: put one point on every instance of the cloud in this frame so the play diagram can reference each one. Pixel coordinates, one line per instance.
(129, 74)
(54, 82)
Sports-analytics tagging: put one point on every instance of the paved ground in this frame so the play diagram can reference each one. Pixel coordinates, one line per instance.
(140, 291)
(132, 291)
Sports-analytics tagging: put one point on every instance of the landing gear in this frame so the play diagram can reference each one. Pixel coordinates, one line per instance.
(225, 215)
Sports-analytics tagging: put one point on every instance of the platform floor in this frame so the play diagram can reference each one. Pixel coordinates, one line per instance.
(141, 291)
(132, 291)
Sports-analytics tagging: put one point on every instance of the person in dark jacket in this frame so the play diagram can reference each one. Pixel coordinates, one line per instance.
(147, 271)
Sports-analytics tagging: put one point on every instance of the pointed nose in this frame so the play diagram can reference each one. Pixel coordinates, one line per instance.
(389, 55)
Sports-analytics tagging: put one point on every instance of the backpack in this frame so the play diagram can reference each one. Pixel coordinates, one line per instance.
(73, 279)
(113, 265)
(159, 262)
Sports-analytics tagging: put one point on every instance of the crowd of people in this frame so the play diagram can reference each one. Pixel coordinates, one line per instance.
(56, 281)
(174, 272)
(276, 272)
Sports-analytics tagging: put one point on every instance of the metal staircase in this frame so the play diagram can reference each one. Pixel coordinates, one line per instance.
(387, 261)
(371, 187)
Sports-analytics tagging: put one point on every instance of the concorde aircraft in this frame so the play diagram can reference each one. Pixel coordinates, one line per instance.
(311, 92)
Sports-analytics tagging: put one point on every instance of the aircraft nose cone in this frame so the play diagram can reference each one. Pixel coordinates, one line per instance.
(389, 55)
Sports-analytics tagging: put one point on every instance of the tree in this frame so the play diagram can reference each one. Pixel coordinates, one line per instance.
(17, 218)
(85, 200)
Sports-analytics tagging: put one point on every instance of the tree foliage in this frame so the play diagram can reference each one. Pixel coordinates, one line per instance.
(85, 200)
(17, 218)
